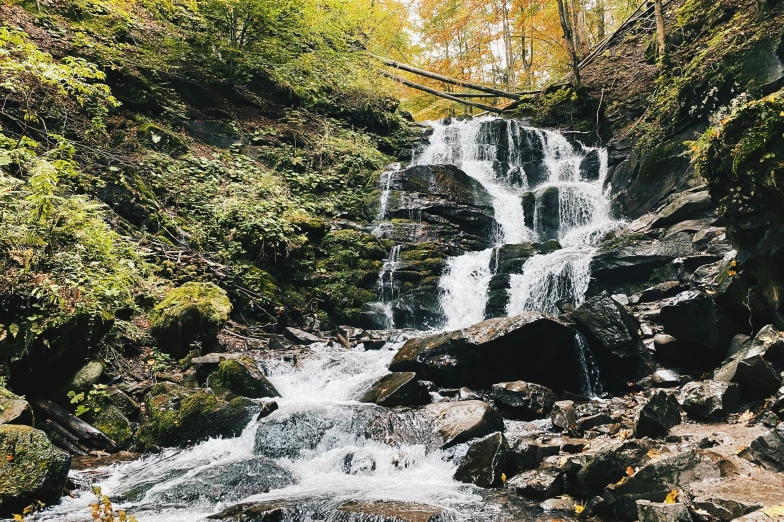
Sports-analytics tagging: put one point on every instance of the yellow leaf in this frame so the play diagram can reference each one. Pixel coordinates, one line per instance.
(503, 478)
(630, 471)
(671, 496)
(653, 453)
(782, 114)
(746, 416)
(740, 450)
(578, 509)
(19, 518)
(775, 511)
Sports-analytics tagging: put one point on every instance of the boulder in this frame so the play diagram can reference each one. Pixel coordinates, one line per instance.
(564, 416)
(504, 349)
(663, 378)
(458, 422)
(648, 511)
(632, 257)
(590, 422)
(723, 509)
(609, 466)
(657, 479)
(387, 511)
(768, 448)
(523, 400)
(31, 470)
(298, 336)
(178, 416)
(397, 389)
(92, 373)
(484, 461)
(613, 335)
(111, 421)
(194, 312)
(778, 403)
(547, 219)
(684, 205)
(657, 416)
(538, 484)
(754, 367)
(711, 400)
(526, 454)
(558, 504)
(509, 259)
(15, 410)
(243, 377)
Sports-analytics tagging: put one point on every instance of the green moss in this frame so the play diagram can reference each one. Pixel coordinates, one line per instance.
(114, 424)
(194, 312)
(159, 139)
(241, 377)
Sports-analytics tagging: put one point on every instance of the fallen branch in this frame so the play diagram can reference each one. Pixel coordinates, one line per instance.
(440, 94)
(84, 433)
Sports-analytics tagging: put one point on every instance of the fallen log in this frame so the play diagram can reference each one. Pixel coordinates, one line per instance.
(440, 94)
(85, 434)
(68, 439)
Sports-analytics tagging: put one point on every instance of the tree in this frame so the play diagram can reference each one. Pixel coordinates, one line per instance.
(657, 7)
(568, 37)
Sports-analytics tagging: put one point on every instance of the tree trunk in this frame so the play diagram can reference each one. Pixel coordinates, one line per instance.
(567, 33)
(582, 33)
(86, 434)
(660, 29)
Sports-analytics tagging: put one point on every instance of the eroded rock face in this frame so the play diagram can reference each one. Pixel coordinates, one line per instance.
(397, 389)
(529, 347)
(484, 461)
(659, 414)
(756, 366)
(711, 400)
(538, 484)
(768, 448)
(523, 400)
(609, 466)
(31, 469)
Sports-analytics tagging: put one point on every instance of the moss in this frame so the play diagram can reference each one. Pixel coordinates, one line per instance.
(194, 312)
(156, 138)
(622, 241)
(114, 424)
(242, 377)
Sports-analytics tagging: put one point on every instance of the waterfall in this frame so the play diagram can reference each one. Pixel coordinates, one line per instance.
(590, 380)
(464, 288)
(386, 185)
(387, 291)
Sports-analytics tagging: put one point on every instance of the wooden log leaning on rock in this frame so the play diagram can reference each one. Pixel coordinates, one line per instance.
(85, 434)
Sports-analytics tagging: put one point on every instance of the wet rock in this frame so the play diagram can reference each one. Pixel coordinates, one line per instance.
(124, 403)
(179, 416)
(92, 373)
(298, 336)
(194, 312)
(778, 403)
(397, 389)
(504, 349)
(548, 220)
(562, 504)
(634, 258)
(613, 337)
(564, 416)
(268, 511)
(711, 400)
(111, 421)
(753, 366)
(655, 480)
(722, 509)
(768, 449)
(526, 454)
(243, 377)
(609, 466)
(702, 329)
(266, 409)
(684, 206)
(648, 511)
(590, 166)
(458, 422)
(484, 461)
(659, 414)
(523, 400)
(596, 506)
(14, 410)
(31, 470)
(660, 378)
(387, 511)
(510, 258)
(538, 484)
(660, 291)
(590, 422)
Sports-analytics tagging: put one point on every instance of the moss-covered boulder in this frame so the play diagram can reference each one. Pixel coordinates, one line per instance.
(241, 376)
(194, 312)
(85, 378)
(111, 421)
(31, 469)
(178, 416)
(157, 138)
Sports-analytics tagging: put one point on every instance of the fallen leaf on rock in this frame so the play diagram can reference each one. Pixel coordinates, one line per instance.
(653, 453)
(629, 471)
(775, 511)
(578, 509)
(746, 416)
(671, 496)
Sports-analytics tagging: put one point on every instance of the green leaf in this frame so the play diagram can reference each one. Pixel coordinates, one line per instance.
(5, 158)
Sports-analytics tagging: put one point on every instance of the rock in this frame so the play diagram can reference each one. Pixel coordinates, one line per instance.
(564, 504)
(194, 312)
(504, 349)
(655, 480)
(111, 421)
(548, 221)
(609, 466)
(724, 510)
(593, 421)
(702, 329)
(266, 409)
(523, 400)
(753, 366)
(597, 506)
(179, 416)
(613, 337)
(214, 132)
(458, 422)
(778, 403)
(156, 138)
(300, 337)
(15, 411)
(768, 449)
(634, 258)
(685, 205)
(526, 454)
(31, 470)
(660, 291)
(387, 511)
(711, 400)
(648, 511)
(484, 461)
(125, 404)
(564, 416)
(266, 511)
(92, 373)
(538, 484)
(659, 414)
(590, 165)
(509, 259)
(660, 378)
(397, 389)
(243, 377)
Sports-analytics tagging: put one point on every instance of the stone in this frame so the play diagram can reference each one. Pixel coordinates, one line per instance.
(564, 416)
(124, 403)
(563, 504)
(683, 206)
(525, 454)
(538, 484)
(484, 461)
(660, 378)
(16, 411)
(722, 509)
(111, 421)
(657, 416)
(265, 511)
(634, 258)
(243, 377)
(178, 416)
(193, 312)
(388, 511)
(504, 349)
(523, 400)
(710, 400)
(92, 373)
(458, 422)
(397, 389)
(596, 506)
(266, 409)
(31, 469)
(609, 466)
(510, 258)
(768, 449)
(753, 366)
(590, 422)
(660, 291)
(298, 336)
(612, 334)
(778, 403)
(648, 511)
(548, 222)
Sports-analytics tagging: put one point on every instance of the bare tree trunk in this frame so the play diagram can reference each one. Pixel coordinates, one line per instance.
(511, 81)
(567, 33)
(660, 29)
(582, 33)
(601, 20)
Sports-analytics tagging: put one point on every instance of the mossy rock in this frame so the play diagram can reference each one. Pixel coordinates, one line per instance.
(194, 312)
(241, 377)
(111, 421)
(85, 378)
(178, 416)
(156, 138)
(31, 470)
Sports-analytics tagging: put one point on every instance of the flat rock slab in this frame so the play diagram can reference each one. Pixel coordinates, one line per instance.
(390, 511)
(397, 389)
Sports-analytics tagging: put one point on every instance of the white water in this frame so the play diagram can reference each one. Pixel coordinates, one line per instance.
(386, 288)
(464, 288)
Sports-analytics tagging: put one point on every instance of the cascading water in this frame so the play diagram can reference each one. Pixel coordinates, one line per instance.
(590, 380)
(387, 290)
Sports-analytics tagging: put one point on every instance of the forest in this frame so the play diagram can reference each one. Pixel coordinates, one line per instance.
(391, 260)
